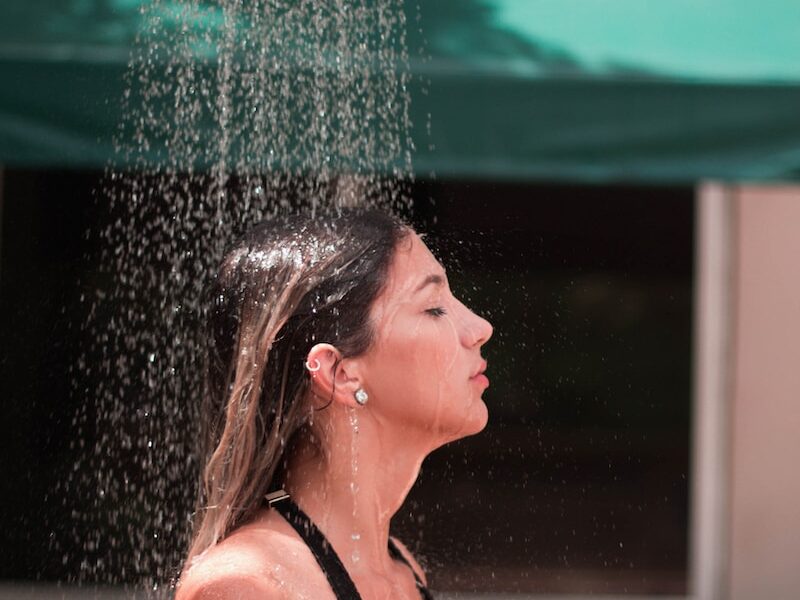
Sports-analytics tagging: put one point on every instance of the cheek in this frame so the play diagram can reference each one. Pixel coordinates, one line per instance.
(417, 370)
(429, 346)
(415, 349)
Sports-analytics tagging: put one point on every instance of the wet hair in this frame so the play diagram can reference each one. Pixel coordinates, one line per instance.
(288, 284)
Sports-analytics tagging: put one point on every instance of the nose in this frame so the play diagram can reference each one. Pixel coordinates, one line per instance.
(477, 330)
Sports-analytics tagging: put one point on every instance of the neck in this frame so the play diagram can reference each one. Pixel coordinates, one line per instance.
(352, 492)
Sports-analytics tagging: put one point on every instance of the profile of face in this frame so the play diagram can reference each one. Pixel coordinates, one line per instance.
(424, 370)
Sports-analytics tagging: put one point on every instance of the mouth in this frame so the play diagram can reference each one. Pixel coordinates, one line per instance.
(479, 377)
(480, 370)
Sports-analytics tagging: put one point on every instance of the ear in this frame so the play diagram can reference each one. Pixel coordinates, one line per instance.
(335, 379)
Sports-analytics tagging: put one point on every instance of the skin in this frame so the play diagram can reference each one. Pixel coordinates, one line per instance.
(422, 394)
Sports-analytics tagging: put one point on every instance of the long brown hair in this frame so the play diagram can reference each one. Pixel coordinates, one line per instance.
(288, 284)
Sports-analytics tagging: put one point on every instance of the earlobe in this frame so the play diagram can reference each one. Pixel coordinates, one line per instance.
(348, 387)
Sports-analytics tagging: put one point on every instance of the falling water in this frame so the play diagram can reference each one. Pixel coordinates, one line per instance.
(235, 111)
(355, 536)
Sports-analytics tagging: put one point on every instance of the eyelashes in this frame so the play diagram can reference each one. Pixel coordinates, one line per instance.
(436, 312)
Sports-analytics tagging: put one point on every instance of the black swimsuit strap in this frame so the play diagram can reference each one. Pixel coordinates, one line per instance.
(343, 587)
(397, 555)
(330, 563)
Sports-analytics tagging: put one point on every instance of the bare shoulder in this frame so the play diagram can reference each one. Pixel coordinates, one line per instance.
(234, 568)
(230, 586)
(410, 558)
(252, 563)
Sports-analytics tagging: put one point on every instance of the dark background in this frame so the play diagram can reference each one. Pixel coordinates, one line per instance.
(580, 481)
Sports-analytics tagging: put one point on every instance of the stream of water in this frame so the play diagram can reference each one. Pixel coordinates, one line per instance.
(235, 111)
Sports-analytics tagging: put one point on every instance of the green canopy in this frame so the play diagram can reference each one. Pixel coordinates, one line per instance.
(582, 90)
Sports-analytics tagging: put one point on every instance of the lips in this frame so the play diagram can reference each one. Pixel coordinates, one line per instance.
(480, 370)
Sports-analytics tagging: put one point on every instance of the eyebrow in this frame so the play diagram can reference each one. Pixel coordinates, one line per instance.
(433, 278)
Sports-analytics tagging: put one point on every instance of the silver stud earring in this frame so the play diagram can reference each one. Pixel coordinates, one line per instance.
(361, 396)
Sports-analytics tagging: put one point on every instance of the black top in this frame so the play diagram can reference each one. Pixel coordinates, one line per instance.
(341, 583)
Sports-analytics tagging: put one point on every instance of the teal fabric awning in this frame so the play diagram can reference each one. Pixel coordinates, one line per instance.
(574, 90)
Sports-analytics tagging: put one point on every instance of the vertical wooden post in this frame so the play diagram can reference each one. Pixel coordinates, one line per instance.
(714, 253)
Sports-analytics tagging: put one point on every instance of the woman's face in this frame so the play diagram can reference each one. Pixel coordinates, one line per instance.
(424, 369)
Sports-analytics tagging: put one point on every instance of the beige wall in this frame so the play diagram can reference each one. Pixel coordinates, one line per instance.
(765, 442)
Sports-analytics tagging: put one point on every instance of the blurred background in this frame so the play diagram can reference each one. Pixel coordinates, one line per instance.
(615, 184)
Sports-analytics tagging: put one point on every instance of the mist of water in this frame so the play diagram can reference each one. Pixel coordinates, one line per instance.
(235, 111)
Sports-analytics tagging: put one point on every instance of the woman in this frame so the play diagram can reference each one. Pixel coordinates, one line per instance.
(339, 360)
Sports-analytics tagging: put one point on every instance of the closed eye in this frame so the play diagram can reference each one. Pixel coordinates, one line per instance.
(437, 311)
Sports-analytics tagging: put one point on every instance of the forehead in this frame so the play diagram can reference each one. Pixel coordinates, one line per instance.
(411, 263)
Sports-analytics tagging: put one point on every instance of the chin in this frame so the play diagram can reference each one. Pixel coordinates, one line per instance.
(481, 416)
(470, 421)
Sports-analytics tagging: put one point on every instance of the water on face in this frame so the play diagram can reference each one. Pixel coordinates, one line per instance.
(235, 111)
